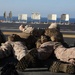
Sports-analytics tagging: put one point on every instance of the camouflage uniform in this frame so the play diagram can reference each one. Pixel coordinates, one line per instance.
(28, 39)
(53, 32)
(65, 54)
(40, 54)
(31, 38)
(44, 52)
(56, 35)
(17, 48)
(2, 37)
(41, 40)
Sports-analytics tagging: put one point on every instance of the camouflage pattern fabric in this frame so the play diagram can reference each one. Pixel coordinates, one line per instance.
(58, 66)
(2, 37)
(14, 37)
(29, 41)
(41, 40)
(56, 35)
(9, 69)
(54, 32)
(28, 60)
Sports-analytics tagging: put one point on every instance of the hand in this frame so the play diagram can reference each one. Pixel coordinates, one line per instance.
(72, 61)
(21, 27)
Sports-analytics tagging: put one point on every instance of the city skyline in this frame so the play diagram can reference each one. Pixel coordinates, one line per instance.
(44, 7)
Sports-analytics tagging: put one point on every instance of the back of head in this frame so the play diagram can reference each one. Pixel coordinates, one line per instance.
(54, 34)
(38, 32)
(51, 32)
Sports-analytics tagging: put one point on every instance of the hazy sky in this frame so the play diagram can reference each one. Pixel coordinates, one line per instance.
(44, 7)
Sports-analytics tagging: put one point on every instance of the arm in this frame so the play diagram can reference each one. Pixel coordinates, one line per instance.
(5, 50)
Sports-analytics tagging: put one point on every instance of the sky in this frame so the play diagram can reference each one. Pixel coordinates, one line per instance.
(44, 7)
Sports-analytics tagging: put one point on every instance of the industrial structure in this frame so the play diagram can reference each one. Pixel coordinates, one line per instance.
(22, 17)
(52, 17)
(35, 17)
(65, 18)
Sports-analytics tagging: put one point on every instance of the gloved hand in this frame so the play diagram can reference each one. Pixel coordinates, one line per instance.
(21, 27)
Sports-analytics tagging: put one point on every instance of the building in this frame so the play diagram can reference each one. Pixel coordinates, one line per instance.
(22, 17)
(35, 17)
(52, 17)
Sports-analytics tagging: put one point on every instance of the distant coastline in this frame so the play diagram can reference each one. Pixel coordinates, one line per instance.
(43, 19)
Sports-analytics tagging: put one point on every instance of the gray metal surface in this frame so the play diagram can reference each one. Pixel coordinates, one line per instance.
(42, 73)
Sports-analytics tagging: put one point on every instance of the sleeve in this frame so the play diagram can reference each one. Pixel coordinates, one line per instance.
(5, 50)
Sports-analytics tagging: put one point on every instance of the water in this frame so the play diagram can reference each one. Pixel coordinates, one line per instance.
(43, 19)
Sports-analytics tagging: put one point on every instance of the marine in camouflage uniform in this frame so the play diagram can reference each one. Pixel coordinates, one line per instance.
(27, 36)
(26, 58)
(31, 30)
(40, 54)
(54, 31)
(41, 40)
(2, 37)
